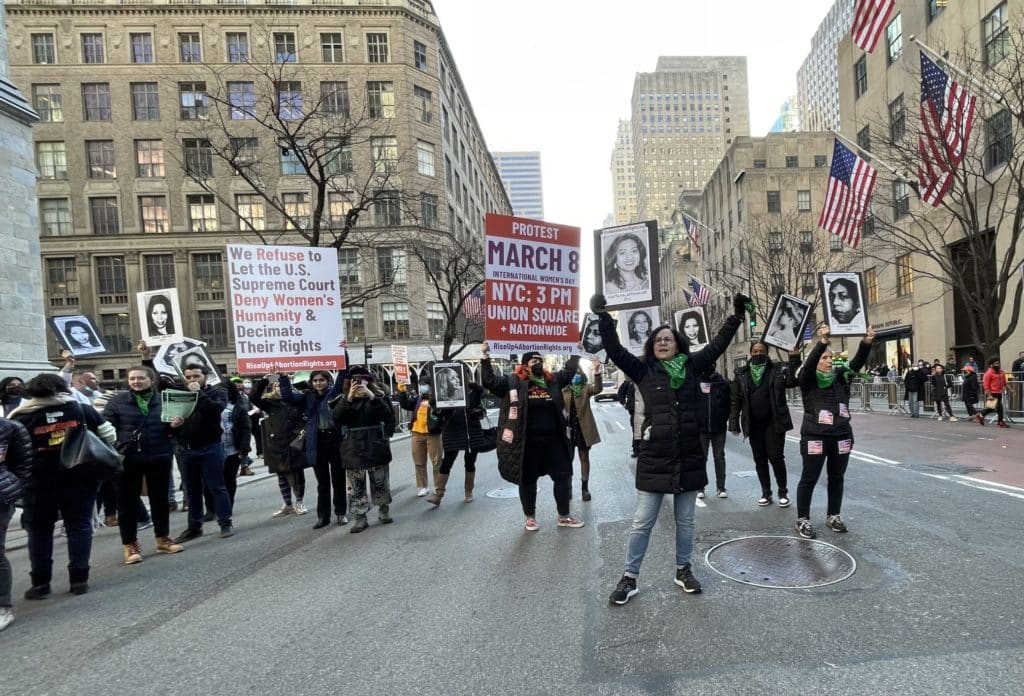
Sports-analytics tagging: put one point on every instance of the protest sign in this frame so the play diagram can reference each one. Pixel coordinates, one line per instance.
(159, 316)
(449, 385)
(196, 357)
(400, 359)
(286, 307)
(175, 403)
(532, 286)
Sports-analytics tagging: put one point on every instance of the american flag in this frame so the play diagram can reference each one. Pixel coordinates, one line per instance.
(947, 115)
(932, 174)
(701, 294)
(869, 20)
(850, 183)
(473, 305)
(689, 297)
(691, 231)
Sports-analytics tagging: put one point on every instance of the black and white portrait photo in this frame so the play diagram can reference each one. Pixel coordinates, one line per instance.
(78, 334)
(785, 326)
(195, 357)
(636, 326)
(159, 316)
(845, 305)
(627, 257)
(692, 325)
(590, 338)
(449, 385)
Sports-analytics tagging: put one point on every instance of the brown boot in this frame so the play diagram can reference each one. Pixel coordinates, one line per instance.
(470, 480)
(132, 553)
(440, 481)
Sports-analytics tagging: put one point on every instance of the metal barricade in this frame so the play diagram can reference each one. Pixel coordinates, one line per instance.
(893, 391)
(864, 388)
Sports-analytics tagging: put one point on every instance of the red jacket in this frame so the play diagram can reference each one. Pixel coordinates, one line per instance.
(994, 381)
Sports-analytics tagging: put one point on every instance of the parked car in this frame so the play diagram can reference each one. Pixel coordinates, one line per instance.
(609, 391)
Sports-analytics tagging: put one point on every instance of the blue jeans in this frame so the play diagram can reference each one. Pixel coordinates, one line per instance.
(647, 507)
(6, 513)
(72, 498)
(915, 405)
(199, 465)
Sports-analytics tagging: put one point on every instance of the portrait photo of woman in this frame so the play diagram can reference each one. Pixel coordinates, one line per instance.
(79, 335)
(625, 265)
(159, 316)
(786, 323)
(693, 327)
(448, 385)
(635, 327)
(590, 337)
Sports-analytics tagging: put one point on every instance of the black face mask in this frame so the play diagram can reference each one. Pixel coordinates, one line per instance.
(758, 359)
(537, 369)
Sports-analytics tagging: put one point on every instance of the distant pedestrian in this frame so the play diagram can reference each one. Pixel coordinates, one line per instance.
(913, 386)
(10, 394)
(15, 473)
(1017, 368)
(627, 396)
(940, 392)
(236, 435)
(970, 394)
(995, 383)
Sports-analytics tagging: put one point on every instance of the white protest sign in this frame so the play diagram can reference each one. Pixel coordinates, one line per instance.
(286, 307)
(400, 359)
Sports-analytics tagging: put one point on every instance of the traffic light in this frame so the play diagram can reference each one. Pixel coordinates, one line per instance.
(369, 352)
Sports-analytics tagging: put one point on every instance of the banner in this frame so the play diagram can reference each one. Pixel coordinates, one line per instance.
(286, 307)
(532, 286)
(400, 359)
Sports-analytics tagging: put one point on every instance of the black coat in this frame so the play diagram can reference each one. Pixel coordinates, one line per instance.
(202, 428)
(462, 429)
(368, 425)
(670, 459)
(971, 390)
(410, 401)
(17, 452)
(241, 425)
(779, 377)
(154, 436)
(713, 405)
(834, 399)
(316, 409)
(282, 424)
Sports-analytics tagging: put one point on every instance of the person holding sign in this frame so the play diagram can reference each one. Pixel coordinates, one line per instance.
(671, 460)
(585, 434)
(462, 433)
(426, 428)
(533, 432)
(826, 437)
(283, 423)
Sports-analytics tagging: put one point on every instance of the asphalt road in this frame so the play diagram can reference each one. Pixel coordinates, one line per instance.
(460, 600)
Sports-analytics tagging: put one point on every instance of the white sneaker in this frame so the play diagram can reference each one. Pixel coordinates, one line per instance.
(284, 511)
(299, 508)
(421, 493)
(953, 419)
(700, 494)
(6, 618)
(723, 494)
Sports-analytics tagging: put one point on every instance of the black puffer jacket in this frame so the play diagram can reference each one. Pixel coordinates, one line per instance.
(779, 377)
(154, 436)
(462, 429)
(15, 451)
(282, 424)
(713, 404)
(971, 388)
(670, 459)
(834, 399)
(368, 425)
(202, 428)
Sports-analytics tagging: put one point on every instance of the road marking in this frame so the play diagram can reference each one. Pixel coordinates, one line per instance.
(925, 437)
(1018, 489)
(989, 489)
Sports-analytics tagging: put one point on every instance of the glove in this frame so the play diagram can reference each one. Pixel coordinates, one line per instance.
(739, 304)
(598, 304)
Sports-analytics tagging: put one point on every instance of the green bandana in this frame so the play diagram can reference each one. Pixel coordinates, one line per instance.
(540, 381)
(757, 373)
(676, 369)
(825, 379)
(577, 389)
(142, 401)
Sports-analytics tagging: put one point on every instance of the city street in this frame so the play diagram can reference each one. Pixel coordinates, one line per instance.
(461, 600)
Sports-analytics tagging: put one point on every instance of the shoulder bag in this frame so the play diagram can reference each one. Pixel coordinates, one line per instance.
(82, 448)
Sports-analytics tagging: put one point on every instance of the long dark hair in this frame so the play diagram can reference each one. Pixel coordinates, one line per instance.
(166, 302)
(611, 273)
(93, 342)
(631, 324)
(46, 385)
(649, 343)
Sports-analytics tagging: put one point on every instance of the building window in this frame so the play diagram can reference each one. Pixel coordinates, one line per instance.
(900, 199)
(428, 211)
(807, 283)
(245, 157)
(189, 48)
(289, 101)
(338, 157)
(117, 330)
(806, 241)
(760, 164)
(111, 280)
(284, 47)
(380, 99)
(208, 277)
(387, 210)
(792, 161)
(998, 139)
(997, 35)
(331, 48)
(391, 267)
(339, 204)
(99, 156)
(774, 202)
(291, 165)
(213, 327)
(396, 319)
(55, 217)
(835, 243)
(423, 105)
(238, 47)
(432, 261)
(419, 55)
(44, 51)
(153, 215)
(252, 212)
(349, 269)
(860, 76)
(376, 48)
(334, 98)
(145, 101)
(424, 158)
(158, 271)
(48, 103)
(103, 214)
(242, 100)
(775, 241)
(52, 160)
(62, 282)
(894, 39)
(92, 48)
(904, 275)
(355, 324)
(193, 100)
(803, 201)
(778, 283)
(436, 320)
(935, 8)
(897, 120)
(142, 48)
(149, 158)
(864, 138)
(198, 158)
(202, 213)
(384, 150)
(96, 101)
(296, 208)
(820, 161)
(871, 284)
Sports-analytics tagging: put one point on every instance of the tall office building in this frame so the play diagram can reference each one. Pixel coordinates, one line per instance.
(624, 175)
(685, 115)
(817, 80)
(520, 173)
(134, 194)
(789, 117)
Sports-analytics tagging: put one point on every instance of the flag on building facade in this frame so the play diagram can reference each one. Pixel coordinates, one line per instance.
(869, 20)
(947, 116)
(850, 183)
(473, 305)
(689, 297)
(691, 231)
(701, 294)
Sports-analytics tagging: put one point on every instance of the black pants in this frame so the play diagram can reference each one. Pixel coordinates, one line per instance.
(540, 459)
(329, 472)
(716, 442)
(157, 473)
(813, 464)
(257, 432)
(768, 446)
(971, 411)
(106, 498)
(232, 464)
(939, 403)
(448, 460)
(998, 409)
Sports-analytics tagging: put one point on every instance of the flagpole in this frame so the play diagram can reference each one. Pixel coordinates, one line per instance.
(706, 285)
(868, 155)
(982, 87)
(699, 223)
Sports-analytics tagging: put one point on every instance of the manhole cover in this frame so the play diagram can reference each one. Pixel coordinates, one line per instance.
(780, 562)
(508, 492)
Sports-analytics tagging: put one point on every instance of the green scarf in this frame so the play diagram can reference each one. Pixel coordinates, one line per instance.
(825, 379)
(539, 381)
(757, 373)
(142, 401)
(577, 389)
(676, 369)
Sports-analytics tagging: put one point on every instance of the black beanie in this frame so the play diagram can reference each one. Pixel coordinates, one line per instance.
(529, 355)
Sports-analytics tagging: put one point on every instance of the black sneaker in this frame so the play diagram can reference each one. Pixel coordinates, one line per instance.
(188, 535)
(624, 591)
(836, 524)
(38, 591)
(685, 579)
(227, 531)
(764, 500)
(804, 528)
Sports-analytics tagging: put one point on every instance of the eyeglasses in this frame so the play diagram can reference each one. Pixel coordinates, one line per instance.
(665, 340)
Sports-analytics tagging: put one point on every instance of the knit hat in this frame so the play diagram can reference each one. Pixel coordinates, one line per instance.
(361, 372)
(528, 356)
